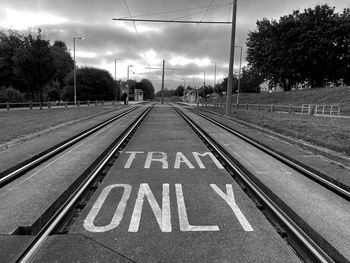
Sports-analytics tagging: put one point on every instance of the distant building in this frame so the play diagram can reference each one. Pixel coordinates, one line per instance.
(267, 86)
(190, 95)
(138, 96)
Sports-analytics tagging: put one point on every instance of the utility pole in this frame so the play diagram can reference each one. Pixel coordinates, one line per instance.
(232, 57)
(163, 82)
(203, 89)
(115, 78)
(74, 71)
(163, 69)
(239, 76)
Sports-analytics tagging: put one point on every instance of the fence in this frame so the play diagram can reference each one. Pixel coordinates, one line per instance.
(307, 109)
(49, 104)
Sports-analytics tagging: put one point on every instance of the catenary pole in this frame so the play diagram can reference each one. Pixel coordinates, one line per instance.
(232, 57)
(163, 82)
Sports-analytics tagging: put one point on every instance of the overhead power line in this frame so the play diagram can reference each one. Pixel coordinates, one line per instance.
(180, 10)
(171, 21)
(137, 34)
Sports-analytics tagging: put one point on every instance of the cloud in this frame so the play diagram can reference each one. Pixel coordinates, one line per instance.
(189, 46)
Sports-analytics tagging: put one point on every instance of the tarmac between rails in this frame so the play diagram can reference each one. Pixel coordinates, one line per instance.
(167, 199)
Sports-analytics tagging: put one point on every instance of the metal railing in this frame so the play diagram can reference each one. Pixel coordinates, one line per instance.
(50, 104)
(307, 109)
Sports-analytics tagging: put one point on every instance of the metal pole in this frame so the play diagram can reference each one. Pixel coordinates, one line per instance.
(74, 75)
(127, 82)
(239, 76)
(232, 57)
(115, 79)
(203, 89)
(163, 82)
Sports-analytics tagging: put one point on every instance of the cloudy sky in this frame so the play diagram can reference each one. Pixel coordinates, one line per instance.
(189, 47)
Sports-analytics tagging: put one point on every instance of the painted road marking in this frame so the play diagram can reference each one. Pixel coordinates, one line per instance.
(162, 215)
(180, 159)
(230, 200)
(118, 215)
(183, 218)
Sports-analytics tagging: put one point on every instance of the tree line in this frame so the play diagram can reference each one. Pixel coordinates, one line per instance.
(33, 69)
(309, 48)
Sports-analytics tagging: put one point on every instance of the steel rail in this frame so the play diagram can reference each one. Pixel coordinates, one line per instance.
(40, 238)
(308, 243)
(284, 159)
(57, 149)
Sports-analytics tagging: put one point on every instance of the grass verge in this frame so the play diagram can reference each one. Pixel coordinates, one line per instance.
(331, 133)
(17, 123)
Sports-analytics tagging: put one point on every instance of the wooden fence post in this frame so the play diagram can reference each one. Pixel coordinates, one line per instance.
(8, 105)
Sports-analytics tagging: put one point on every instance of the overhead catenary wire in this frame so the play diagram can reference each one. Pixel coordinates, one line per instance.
(194, 32)
(198, 12)
(137, 34)
(179, 10)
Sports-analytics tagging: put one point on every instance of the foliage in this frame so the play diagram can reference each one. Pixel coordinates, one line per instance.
(10, 42)
(30, 64)
(166, 93)
(304, 47)
(91, 84)
(179, 91)
(250, 80)
(63, 62)
(147, 88)
(10, 95)
(34, 63)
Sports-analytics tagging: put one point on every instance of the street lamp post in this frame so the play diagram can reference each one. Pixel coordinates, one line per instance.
(203, 88)
(74, 71)
(184, 88)
(232, 57)
(115, 78)
(214, 62)
(239, 75)
(127, 82)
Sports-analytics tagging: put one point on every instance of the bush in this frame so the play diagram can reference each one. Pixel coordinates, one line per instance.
(10, 95)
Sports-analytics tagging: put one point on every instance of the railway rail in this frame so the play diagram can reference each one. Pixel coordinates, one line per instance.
(305, 170)
(65, 208)
(8, 176)
(302, 242)
(299, 239)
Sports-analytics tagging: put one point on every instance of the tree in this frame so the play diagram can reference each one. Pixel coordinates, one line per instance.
(63, 64)
(179, 91)
(10, 42)
(148, 89)
(34, 63)
(309, 46)
(250, 80)
(92, 84)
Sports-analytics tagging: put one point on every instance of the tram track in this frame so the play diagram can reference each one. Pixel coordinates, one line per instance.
(301, 241)
(305, 246)
(295, 165)
(12, 173)
(64, 213)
